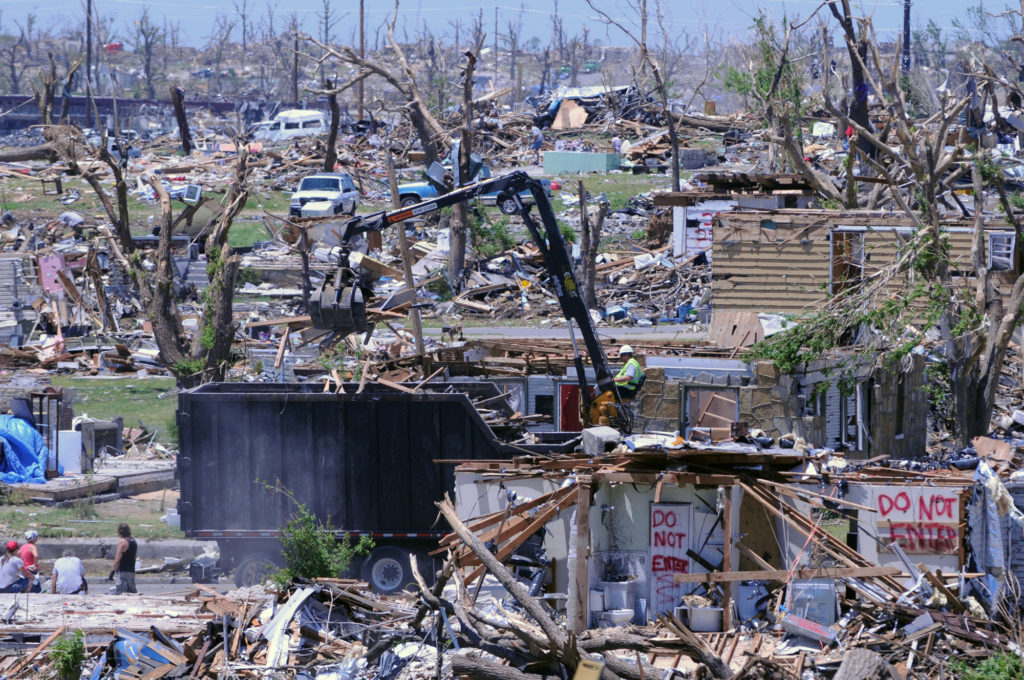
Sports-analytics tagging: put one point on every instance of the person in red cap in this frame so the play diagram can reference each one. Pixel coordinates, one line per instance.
(14, 577)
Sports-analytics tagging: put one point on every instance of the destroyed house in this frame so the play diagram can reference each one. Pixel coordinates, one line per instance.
(694, 211)
(790, 261)
(883, 412)
(660, 521)
(710, 392)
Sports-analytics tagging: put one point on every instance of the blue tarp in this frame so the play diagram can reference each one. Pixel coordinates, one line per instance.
(24, 453)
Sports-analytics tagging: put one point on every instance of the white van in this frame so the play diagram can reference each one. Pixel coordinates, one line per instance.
(290, 124)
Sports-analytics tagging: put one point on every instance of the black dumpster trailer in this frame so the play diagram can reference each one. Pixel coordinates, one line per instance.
(364, 461)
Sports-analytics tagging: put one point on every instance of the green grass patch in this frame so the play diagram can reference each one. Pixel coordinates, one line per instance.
(151, 400)
(89, 520)
(618, 187)
(244, 234)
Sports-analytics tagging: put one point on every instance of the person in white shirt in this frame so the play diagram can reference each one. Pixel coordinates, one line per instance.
(14, 577)
(68, 576)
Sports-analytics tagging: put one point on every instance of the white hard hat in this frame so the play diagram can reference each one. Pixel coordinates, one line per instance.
(625, 349)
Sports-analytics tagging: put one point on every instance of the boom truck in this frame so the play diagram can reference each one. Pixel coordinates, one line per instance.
(340, 304)
(365, 460)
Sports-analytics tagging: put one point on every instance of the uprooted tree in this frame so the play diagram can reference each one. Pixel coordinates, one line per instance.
(890, 311)
(193, 359)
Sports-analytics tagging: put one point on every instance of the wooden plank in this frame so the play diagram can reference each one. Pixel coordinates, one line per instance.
(539, 520)
(281, 348)
(289, 320)
(24, 663)
(753, 556)
(783, 574)
(579, 586)
(937, 583)
(727, 560)
(727, 329)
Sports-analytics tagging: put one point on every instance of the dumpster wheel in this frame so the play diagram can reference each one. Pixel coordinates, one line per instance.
(254, 569)
(387, 570)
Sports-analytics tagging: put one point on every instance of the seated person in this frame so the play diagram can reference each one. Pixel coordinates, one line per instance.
(627, 382)
(14, 577)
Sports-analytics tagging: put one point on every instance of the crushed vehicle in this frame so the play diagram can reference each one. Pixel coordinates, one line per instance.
(334, 188)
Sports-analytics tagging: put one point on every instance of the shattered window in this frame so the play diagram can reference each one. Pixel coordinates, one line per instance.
(1000, 252)
(544, 404)
(291, 126)
(710, 407)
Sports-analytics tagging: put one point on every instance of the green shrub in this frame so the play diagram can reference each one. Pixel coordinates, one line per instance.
(999, 667)
(1016, 200)
(440, 288)
(310, 547)
(491, 239)
(67, 654)
(568, 233)
(248, 275)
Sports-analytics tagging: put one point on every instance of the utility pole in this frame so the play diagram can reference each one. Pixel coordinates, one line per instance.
(295, 66)
(362, 52)
(905, 62)
(88, 63)
(494, 84)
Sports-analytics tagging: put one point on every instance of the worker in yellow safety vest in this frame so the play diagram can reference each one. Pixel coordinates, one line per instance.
(630, 376)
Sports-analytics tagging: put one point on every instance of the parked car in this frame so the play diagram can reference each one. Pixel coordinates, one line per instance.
(336, 187)
(417, 192)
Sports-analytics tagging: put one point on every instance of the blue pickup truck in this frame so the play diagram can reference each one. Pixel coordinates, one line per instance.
(417, 192)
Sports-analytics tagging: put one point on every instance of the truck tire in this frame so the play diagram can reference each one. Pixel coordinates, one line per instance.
(406, 201)
(254, 569)
(507, 204)
(387, 570)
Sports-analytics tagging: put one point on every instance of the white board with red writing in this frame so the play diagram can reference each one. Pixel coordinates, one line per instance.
(922, 520)
(671, 527)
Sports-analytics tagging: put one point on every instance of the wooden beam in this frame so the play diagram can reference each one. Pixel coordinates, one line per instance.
(727, 558)
(289, 320)
(23, 664)
(579, 584)
(281, 348)
(753, 556)
(783, 574)
(795, 491)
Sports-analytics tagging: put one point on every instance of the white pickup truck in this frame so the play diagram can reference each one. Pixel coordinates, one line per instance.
(334, 187)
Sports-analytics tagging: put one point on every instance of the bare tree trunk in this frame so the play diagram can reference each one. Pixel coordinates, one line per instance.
(457, 230)
(331, 156)
(589, 243)
(857, 47)
(44, 94)
(178, 100)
